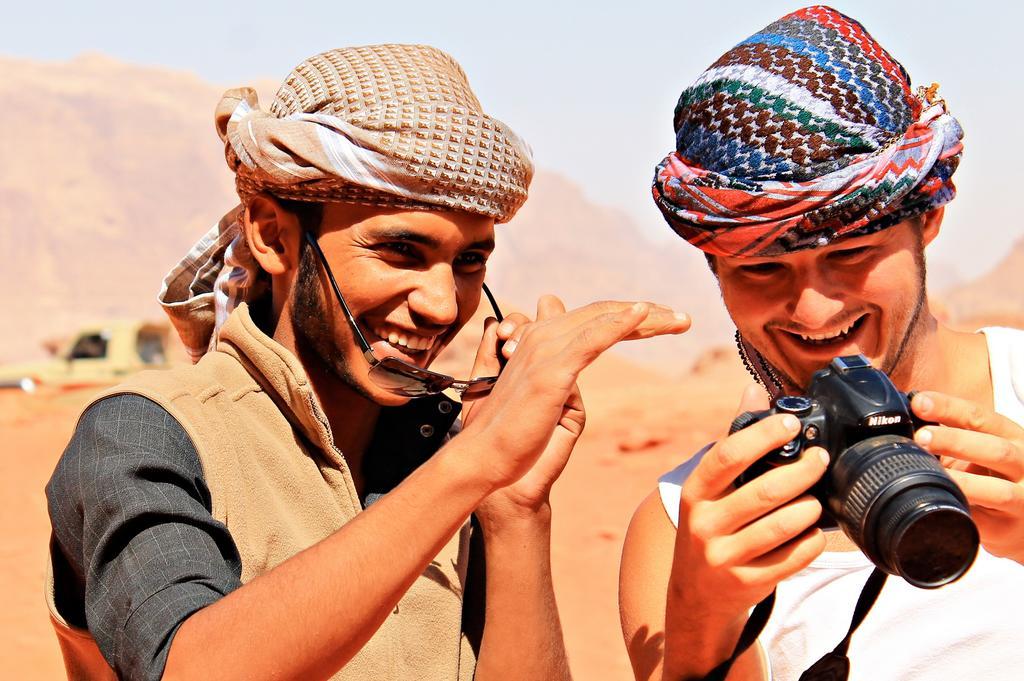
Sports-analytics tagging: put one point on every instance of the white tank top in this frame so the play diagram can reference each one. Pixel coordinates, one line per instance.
(971, 630)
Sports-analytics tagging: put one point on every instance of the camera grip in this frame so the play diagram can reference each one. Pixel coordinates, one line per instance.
(747, 418)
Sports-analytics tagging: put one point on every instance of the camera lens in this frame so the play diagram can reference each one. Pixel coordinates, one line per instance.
(902, 509)
(933, 542)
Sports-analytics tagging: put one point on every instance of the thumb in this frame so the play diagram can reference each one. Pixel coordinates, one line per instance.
(754, 398)
(549, 306)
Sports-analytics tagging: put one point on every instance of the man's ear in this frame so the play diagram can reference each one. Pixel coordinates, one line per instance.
(274, 235)
(932, 220)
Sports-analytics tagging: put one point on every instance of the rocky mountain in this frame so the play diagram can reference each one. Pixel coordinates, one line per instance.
(111, 171)
(994, 298)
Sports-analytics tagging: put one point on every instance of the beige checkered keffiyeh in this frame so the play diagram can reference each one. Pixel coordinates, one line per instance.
(386, 125)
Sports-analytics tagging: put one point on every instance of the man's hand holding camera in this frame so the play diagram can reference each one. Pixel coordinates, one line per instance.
(984, 453)
(735, 544)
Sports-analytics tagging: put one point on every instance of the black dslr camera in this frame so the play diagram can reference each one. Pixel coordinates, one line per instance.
(891, 497)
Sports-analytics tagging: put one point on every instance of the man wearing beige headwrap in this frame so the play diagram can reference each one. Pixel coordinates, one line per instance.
(294, 505)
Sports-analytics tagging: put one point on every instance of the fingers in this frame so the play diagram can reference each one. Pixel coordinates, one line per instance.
(733, 455)
(486, 362)
(1003, 457)
(770, 532)
(1000, 532)
(785, 561)
(622, 321)
(770, 491)
(984, 453)
(510, 331)
(582, 334)
(512, 322)
(992, 493)
(660, 320)
(661, 323)
(514, 326)
(961, 413)
(997, 506)
(600, 333)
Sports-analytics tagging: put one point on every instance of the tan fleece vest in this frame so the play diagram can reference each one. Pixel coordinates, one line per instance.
(249, 409)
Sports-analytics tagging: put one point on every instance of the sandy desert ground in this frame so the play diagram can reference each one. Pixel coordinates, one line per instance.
(640, 424)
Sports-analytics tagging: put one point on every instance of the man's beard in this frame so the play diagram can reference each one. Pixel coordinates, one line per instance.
(915, 325)
(313, 331)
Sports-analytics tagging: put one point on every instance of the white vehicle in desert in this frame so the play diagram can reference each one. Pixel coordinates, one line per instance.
(97, 354)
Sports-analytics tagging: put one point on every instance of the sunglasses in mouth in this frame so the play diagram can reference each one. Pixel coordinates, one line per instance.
(396, 375)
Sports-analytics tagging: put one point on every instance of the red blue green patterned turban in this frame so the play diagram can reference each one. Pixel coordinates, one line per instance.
(805, 132)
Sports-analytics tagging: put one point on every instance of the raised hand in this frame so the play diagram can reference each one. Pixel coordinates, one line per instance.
(984, 453)
(534, 415)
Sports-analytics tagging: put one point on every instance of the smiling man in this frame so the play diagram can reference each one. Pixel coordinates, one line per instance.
(294, 505)
(813, 177)
(862, 294)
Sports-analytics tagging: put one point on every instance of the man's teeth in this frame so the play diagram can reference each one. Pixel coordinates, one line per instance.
(409, 342)
(818, 337)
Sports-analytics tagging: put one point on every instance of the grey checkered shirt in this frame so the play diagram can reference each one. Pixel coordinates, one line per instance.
(136, 550)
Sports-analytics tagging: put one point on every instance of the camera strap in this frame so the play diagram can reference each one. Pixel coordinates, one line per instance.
(751, 630)
(833, 666)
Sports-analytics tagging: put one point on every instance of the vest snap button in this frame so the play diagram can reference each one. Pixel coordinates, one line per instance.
(444, 407)
(426, 430)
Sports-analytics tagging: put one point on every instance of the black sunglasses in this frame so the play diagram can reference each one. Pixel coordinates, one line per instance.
(396, 375)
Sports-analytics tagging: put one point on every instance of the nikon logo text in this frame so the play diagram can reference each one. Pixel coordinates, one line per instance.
(883, 420)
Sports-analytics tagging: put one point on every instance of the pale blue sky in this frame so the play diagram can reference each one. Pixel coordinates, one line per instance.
(590, 85)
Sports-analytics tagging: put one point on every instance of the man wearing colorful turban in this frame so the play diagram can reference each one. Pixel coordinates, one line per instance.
(813, 175)
(294, 505)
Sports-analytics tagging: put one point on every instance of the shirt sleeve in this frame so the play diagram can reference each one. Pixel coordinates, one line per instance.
(670, 484)
(132, 524)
